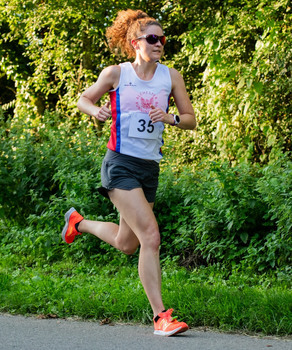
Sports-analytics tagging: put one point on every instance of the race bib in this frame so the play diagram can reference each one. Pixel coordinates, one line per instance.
(141, 127)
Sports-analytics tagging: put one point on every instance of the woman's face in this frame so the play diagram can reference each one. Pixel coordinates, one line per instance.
(150, 52)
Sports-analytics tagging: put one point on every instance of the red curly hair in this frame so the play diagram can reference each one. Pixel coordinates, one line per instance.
(127, 26)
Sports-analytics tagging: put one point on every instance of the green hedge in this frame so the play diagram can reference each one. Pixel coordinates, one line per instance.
(211, 213)
(237, 215)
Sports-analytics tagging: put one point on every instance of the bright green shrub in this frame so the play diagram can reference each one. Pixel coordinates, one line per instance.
(275, 187)
(222, 214)
(49, 165)
(44, 171)
(209, 214)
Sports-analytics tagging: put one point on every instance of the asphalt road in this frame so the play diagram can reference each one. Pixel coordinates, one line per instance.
(28, 333)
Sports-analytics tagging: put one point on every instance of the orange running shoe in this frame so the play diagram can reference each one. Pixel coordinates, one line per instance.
(69, 231)
(166, 325)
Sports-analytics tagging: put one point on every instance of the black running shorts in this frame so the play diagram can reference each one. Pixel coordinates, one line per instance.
(127, 172)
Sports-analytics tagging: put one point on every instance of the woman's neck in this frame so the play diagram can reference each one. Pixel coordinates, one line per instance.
(144, 70)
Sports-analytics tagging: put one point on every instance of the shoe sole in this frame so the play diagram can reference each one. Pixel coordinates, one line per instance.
(67, 218)
(173, 332)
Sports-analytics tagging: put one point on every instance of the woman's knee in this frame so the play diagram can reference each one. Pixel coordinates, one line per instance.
(129, 250)
(151, 239)
(127, 247)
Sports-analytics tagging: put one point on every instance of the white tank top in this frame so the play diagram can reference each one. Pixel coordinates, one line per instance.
(132, 132)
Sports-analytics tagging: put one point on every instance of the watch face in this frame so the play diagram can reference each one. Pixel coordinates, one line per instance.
(177, 119)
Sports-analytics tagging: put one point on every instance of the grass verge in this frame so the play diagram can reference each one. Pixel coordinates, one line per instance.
(94, 292)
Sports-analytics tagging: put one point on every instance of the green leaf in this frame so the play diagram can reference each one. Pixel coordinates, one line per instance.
(244, 237)
(258, 86)
(241, 83)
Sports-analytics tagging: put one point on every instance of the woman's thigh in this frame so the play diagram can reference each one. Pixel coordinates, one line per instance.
(137, 217)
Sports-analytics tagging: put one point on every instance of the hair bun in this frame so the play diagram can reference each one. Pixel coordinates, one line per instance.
(125, 27)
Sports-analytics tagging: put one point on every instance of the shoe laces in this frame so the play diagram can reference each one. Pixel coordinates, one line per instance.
(168, 317)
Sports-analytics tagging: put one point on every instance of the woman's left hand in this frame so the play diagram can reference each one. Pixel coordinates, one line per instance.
(158, 115)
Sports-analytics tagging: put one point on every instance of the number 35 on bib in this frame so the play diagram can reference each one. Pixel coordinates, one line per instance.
(141, 127)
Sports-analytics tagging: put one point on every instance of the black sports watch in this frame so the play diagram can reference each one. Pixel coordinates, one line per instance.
(176, 119)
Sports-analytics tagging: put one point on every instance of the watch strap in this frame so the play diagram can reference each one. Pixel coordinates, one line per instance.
(176, 119)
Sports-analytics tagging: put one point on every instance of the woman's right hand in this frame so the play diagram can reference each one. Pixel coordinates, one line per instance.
(103, 112)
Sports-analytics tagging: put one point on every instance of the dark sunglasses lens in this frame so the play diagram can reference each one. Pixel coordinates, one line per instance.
(152, 39)
(162, 40)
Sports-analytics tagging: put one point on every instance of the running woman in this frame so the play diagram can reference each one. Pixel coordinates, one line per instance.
(139, 97)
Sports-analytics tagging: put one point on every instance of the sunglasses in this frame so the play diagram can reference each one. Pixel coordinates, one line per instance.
(153, 39)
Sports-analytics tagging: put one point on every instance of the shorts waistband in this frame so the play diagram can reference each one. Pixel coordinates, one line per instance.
(110, 155)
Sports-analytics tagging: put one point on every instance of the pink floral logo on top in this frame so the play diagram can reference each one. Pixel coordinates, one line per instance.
(145, 99)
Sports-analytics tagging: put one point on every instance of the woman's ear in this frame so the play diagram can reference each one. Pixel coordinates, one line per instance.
(135, 44)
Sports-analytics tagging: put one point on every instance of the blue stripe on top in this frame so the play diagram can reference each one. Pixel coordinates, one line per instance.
(118, 121)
